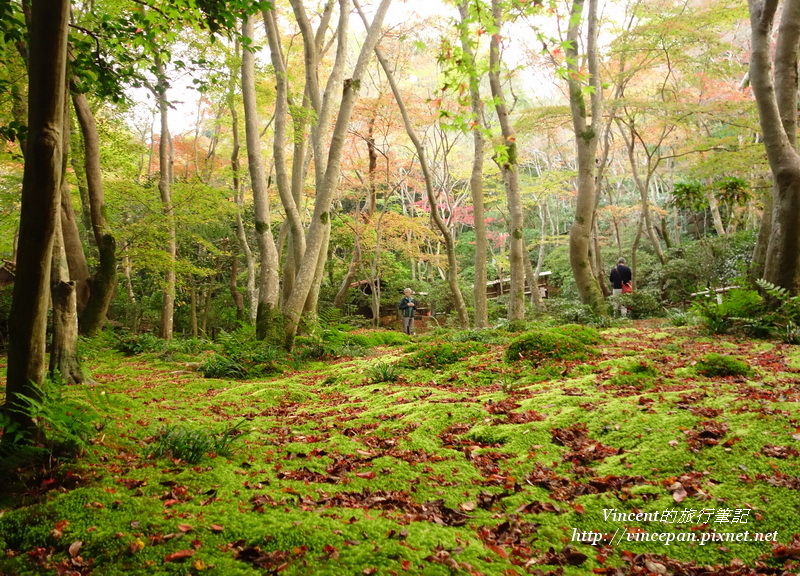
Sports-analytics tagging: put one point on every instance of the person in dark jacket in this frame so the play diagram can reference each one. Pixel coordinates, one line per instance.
(620, 276)
(407, 306)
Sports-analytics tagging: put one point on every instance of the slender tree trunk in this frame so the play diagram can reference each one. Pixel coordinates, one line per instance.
(586, 141)
(40, 202)
(476, 177)
(241, 234)
(509, 168)
(233, 287)
(104, 280)
(193, 306)
(316, 237)
(73, 250)
(268, 322)
(64, 361)
(165, 190)
(349, 277)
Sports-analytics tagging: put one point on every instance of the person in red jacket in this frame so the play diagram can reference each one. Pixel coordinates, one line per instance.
(620, 278)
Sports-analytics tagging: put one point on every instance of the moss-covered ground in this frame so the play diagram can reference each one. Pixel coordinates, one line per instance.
(628, 460)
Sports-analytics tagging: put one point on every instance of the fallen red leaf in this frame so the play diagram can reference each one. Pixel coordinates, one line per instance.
(179, 555)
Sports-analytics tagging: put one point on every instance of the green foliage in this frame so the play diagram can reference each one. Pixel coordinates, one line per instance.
(192, 445)
(546, 344)
(713, 365)
(708, 262)
(241, 355)
(66, 422)
(488, 336)
(440, 354)
(132, 344)
(219, 366)
(690, 196)
(570, 311)
(383, 372)
(681, 317)
(746, 312)
(641, 304)
(326, 344)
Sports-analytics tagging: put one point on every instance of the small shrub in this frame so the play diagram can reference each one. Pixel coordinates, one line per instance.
(191, 445)
(218, 366)
(477, 335)
(441, 354)
(66, 422)
(133, 344)
(570, 311)
(641, 304)
(383, 372)
(681, 317)
(539, 345)
(713, 365)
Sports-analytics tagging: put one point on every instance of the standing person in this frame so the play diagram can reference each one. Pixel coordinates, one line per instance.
(407, 306)
(620, 278)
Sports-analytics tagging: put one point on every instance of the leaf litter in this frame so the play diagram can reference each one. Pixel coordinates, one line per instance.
(436, 473)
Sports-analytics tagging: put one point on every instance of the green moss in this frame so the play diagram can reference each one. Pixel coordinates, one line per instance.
(539, 345)
(714, 364)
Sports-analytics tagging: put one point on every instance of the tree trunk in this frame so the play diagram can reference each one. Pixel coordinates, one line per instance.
(476, 177)
(73, 247)
(104, 280)
(349, 277)
(316, 245)
(777, 111)
(241, 234)
(165, 190)
(40, 203)
(233, 287)
(64, 361)
(509, 168)
(586, 141)
(268, 323)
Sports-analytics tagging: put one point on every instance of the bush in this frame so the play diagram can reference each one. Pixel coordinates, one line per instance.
(539, 345)
(641, 304)
(570, 311)
(191, 445)
(383, 372)
(133, 344)
(218, 366)
(713, 365)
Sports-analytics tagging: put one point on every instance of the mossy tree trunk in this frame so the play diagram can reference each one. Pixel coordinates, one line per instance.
(103, 281)
(40, 202)
(269, 283)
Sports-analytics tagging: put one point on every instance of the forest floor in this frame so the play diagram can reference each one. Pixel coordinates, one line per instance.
(634, 459)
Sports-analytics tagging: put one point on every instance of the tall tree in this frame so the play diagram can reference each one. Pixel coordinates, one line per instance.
(476, 176)
(507, 158)
(586, 124)
(40, 202)
(774, 80)
(269, 287)
(327, 152)
(104, 280)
